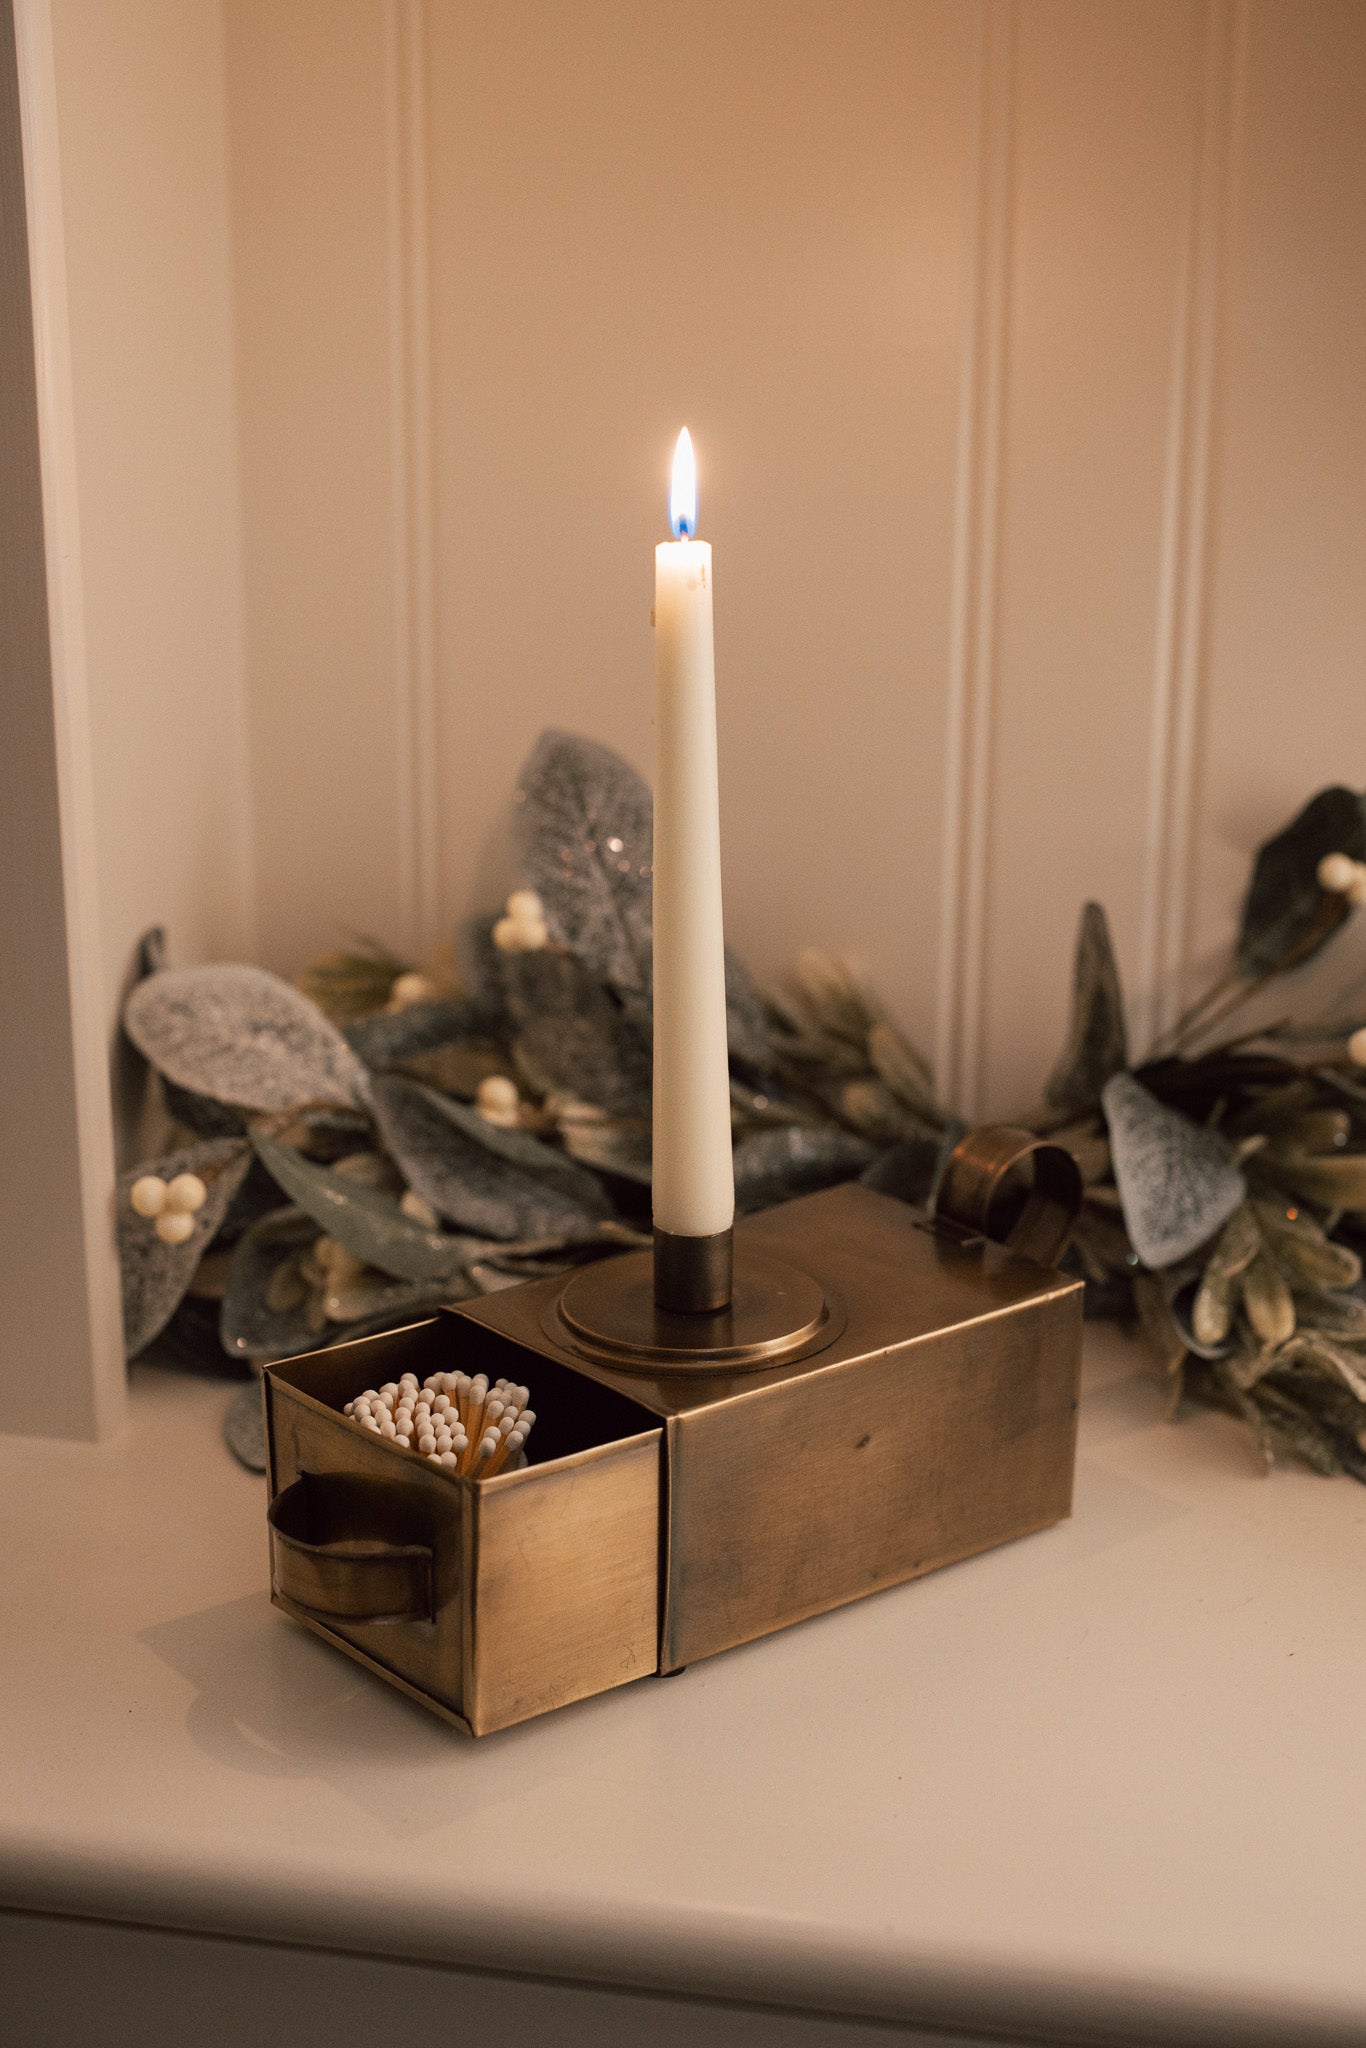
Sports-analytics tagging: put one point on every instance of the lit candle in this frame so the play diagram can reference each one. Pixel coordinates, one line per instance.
(694, 1181)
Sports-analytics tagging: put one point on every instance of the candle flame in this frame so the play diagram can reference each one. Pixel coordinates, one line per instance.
(683, 490)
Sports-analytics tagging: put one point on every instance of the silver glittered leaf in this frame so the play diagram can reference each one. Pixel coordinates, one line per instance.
(584, 837)
(1177, 1181)
(747, 1028)
(504, 1184)
(156, 1275)
(576, 1034)
(242, 1036)
(773, 1166)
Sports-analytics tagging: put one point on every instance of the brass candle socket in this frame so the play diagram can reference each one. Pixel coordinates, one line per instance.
(693, 1275)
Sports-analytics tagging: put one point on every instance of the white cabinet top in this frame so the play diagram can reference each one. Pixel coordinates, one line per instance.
(1109, 1777)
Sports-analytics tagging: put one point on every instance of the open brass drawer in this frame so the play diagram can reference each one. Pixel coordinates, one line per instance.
(488, 1600)
(667, 1517)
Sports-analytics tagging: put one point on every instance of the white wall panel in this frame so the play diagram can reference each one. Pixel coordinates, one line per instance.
(314, 235)
(756, 228)
(1103, 125)
(143, 167)
(1284, 708)
(1021, 342)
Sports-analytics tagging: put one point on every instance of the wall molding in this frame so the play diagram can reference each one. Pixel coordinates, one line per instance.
(982, 402)
(1183, 596)
(60, 1318)
(416, 708)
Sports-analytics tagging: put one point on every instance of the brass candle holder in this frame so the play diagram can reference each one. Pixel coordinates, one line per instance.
(884, 1392)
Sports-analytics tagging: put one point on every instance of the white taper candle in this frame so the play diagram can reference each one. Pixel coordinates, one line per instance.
(694, 1181)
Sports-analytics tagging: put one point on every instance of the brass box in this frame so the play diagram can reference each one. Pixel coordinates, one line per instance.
(669, 1516)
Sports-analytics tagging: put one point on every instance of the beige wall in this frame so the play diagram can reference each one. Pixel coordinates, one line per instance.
(1021, 343)
(1022, 349)
(140, 117)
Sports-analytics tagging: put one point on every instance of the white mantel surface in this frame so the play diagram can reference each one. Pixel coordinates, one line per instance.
(1107, 1783)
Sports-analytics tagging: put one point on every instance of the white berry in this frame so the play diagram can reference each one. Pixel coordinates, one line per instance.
(1336, 873)
(497, 1091)
(173, 1226)
(148, 1194)
(524, 929)
(187, 1192)
(1356, 1048)
(419, 1209)
(409, 989)
(1355, 892)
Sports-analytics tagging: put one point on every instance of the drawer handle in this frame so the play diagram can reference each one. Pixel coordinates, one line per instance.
(976, 1174)
(329, 1557)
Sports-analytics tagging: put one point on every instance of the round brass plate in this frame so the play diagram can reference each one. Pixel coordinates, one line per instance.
(777, 1314)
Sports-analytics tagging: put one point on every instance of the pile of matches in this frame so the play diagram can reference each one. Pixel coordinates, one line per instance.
(453, 1420)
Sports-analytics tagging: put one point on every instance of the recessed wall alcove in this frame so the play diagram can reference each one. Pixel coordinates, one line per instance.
(1021, 344)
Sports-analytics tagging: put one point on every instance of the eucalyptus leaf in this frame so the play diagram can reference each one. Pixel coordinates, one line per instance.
(1314, 1130)
(254, 1326)
(389, 1036)
(244, 1427)
(583, 833)
(1212, 1311)
(875, 1113)
(1305, 1254)
(156, 1275)
(1334, 1180)
(250, 1324)
(1182, 1300)
(244, 1037)
(1287, 916)
(1103, 1251)
(832, 999)
(505, 1184)
(1268, 1302)
(574, 1032)
(1301, 1432)
(610, 1144)
(1097, 1043)
(1177, 1181)
(773, 1166)
(1312, 1348)
(747, 1028)
(897, 1063)
(1167, 1340)
(909, 1171)
(1238, 1244)
(1211, 1316)
(771, 1104)
(370, 1224)
(1335, 1314)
